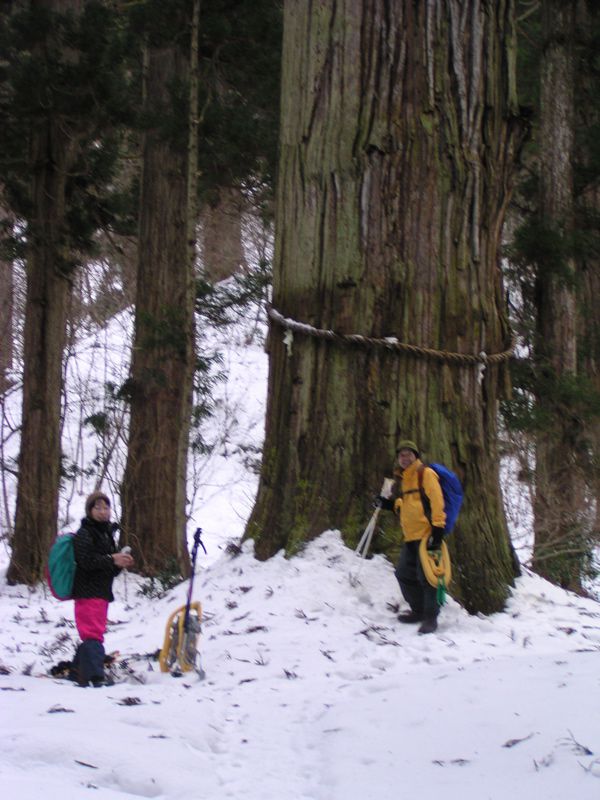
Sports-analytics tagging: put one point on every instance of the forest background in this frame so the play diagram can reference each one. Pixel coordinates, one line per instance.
(138, 151)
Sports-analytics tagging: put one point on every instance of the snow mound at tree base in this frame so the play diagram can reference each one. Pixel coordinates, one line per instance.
(314, 691)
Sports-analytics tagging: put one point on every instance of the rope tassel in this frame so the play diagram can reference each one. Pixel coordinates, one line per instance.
(441, 591)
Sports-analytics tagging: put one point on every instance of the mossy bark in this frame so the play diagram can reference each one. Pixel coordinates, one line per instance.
(559, 543)
(160, 387)
(53, 150)
(221, 224)
(397, 142)
(7, 334)
(589, 341)
(588, 332)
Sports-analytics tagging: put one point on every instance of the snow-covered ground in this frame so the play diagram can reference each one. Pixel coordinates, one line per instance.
(313, 689)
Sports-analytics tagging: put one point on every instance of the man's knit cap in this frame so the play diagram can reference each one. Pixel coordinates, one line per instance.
(406, 444)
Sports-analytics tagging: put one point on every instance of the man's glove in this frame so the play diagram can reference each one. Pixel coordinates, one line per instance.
(383, 502)
(435, 540)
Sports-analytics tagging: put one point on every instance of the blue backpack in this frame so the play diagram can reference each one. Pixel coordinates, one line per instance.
(451, 489)
(60, 571)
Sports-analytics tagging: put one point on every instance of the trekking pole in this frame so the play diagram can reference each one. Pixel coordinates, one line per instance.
(179, 652)
(197, 541)
(364, 545)
(126, 549)
(362, 548)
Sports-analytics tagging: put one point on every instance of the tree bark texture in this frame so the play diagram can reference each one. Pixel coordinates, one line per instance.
(154, 483)
(558, 479)
(588, 332)
(6, 320)
(398, 134)
(53, 151)
(222, 249)
(589, 339)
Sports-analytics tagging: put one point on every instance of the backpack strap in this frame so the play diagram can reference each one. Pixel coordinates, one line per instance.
(424, 498)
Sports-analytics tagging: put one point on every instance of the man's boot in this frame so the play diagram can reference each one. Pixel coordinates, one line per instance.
(410, 617)
(429, 625)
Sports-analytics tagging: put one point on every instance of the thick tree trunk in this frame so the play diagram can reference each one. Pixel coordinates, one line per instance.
(589, 329)
(588, 332)
(396, 159)
(154, 484)
(6, 320)
(558, 494)
(222, 249)
(53, 151)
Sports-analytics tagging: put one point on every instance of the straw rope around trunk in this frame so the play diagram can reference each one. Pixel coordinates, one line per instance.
(389, 343)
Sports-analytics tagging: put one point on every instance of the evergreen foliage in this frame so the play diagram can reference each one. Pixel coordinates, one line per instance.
(238, 109)
(240, 54)
(552, 401)
(70, 68)
(88, 73)
(574, 395)
(218, 303)
(538, 249)
(158, 586)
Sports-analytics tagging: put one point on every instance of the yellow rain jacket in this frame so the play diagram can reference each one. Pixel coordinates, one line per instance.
(409, 507)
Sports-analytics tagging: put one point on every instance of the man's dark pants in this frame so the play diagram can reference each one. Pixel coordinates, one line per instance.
(415, 588)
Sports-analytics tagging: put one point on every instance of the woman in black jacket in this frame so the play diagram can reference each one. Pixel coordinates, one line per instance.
(97, 563)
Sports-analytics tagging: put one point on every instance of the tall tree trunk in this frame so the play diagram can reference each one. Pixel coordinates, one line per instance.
(396, 154)
(588, 333)
(53, 151)
(589, 329)
(154, 484)
(222, 249)
(558, 495)
(6, 318)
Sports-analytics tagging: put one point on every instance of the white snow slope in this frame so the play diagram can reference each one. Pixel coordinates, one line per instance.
(313, 689)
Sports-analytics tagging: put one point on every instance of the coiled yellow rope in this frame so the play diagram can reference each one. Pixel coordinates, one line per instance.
(436, 564)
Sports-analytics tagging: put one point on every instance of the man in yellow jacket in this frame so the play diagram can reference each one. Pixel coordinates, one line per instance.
(417, 524)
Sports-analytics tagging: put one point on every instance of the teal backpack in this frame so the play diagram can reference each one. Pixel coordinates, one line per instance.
(60, 571)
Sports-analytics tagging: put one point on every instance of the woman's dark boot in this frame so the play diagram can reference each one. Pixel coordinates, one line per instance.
(91, 661)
